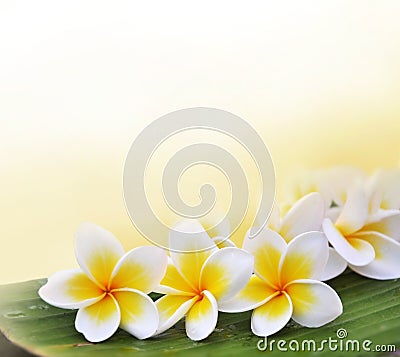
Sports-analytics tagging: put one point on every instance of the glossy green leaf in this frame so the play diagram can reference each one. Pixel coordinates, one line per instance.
(371, 311)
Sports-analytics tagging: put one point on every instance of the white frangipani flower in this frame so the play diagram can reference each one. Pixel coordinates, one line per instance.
(331, 183)
(110, 290)
(365, 237)
(198, 281)
(285, 284)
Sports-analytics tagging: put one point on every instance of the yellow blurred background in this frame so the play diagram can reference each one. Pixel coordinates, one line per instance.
(320, 82)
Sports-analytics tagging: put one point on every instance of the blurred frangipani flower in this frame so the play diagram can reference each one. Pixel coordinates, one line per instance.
(362, 220)
(335, 218)
(366, 239)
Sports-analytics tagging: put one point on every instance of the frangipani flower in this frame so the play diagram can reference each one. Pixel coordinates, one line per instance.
(384, 189)
(331, 183)
(363, 236)
(197, 282)
(110, 289)
(306, 215)
(284, 285)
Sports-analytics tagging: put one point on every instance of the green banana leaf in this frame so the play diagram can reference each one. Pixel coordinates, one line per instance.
(371, 312)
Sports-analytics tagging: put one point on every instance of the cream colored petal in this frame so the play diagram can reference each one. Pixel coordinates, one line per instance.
(139, 315)
(141, 268)
(354, 251)
(272, 316)
(97, 252)
(305, 258)
(386, 222)
(267, 248)
(304, 216)
(314, 303)
(387, 182)
(355, 211)
(333, 183)
(226, 272)
(256, 293)
(99, 321)
(202, 317)
(70, 289)
(386, 264)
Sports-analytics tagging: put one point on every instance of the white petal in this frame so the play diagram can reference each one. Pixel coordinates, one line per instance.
(314, 303)
(190, 246)
(305, 258)
(354, 251)
(141, 268)
(336, 265)
(267, 248)
(139, 315)
(171, 308)
(354, 213)
(226, 272)
(70, 289)
(272, 316)
(256, 293)
(99, 321)
(386, 264)
(202, 317)
(97, 252)
(305, 215)
(386, 222)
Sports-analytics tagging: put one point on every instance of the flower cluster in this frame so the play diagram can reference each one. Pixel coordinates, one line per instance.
(340, 218)
(361, 219)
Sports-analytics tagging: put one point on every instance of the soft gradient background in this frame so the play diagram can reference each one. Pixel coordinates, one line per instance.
(320, 81)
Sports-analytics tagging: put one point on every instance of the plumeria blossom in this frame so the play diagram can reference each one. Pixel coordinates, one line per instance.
(306, 215)
(331, 183)
(197, 281)
(285, 283)
(364, 235)
(383, 188)
(110, 288)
